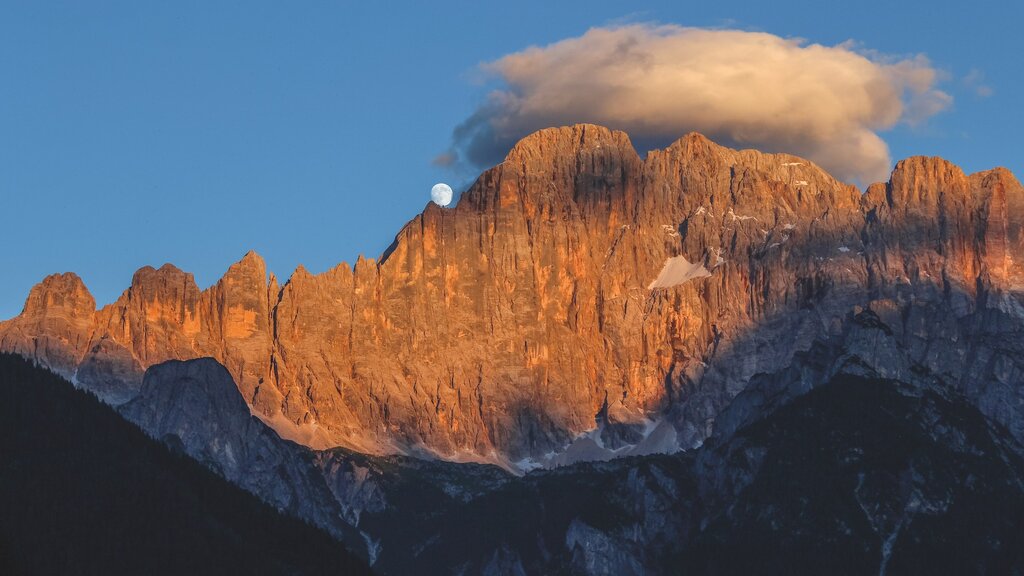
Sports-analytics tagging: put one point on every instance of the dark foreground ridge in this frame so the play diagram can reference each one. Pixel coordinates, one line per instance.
(842, 371)
(862, 475)
(82, 491)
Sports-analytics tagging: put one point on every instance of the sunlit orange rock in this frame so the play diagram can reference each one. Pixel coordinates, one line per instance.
(501, 328)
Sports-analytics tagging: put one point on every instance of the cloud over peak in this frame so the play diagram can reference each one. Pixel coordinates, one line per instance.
(657, 82)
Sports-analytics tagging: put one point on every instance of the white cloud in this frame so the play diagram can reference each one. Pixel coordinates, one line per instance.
(657, 82)
(975, 82)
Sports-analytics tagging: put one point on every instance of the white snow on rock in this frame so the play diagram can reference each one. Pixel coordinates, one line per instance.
(659, 437)
(309, 434)
(528, 464)
(718, 257)
(678, 270)
(735, 216)
(844, 249)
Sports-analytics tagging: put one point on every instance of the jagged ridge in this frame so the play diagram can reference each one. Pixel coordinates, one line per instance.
(498, 329)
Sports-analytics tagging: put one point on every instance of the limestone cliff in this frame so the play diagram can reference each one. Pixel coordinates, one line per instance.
(574, 286)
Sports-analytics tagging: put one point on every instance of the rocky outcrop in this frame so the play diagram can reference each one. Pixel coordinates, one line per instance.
(195, 407)
(554, 293)
(56, 324)
(83, 491)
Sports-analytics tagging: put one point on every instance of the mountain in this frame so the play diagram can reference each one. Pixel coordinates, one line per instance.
(581, 303)
(862, 475)
(704, 361)
(85, 492)
(195, 407)
(856, 474)
(826, 466)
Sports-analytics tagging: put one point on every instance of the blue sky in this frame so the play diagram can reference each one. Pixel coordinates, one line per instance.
(140, 133)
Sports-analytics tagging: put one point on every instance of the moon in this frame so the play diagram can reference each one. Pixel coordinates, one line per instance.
(441, 194)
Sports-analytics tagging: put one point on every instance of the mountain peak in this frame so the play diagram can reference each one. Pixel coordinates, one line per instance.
(60, 291)
(693, 149)
(919, 182)
(492, 310)
(250, 269)
(251, 257)
(933, 165)
(300, 272)
(694, 139)
(55, 323)
(204, 376)
(168, 273)
(549, 144)
(192, 400)
(996, 176)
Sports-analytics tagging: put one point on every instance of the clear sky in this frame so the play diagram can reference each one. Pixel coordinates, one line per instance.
(135, 133)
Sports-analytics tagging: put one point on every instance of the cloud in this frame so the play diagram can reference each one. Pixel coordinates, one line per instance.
(975, 82)
(658, 82)
(446, 159)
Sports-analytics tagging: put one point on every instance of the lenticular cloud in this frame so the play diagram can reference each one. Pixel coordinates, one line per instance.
(827, 103)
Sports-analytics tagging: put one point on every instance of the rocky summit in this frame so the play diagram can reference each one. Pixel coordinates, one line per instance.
(581, 303)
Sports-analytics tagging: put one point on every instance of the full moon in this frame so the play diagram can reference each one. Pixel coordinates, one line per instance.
(441, 194)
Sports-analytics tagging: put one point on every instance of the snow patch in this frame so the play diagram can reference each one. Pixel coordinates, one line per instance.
(734, 216)
(528, 464)
(718, 258)
(657, 438)
(307, 434)
(844, 249)
(800, 182)
(678, 270)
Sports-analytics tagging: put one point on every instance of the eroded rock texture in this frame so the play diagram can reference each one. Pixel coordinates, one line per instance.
(501, 328)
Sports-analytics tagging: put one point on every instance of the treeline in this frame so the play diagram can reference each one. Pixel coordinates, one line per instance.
(82, 491)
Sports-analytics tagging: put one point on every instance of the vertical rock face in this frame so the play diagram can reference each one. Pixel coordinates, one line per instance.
(158, 317)
(239, 312)
(55, 325)
(501, 328)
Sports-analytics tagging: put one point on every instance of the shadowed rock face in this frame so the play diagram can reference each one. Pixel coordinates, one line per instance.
(194, 406)
(85, 492)
(499, 329)
(859, 476)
